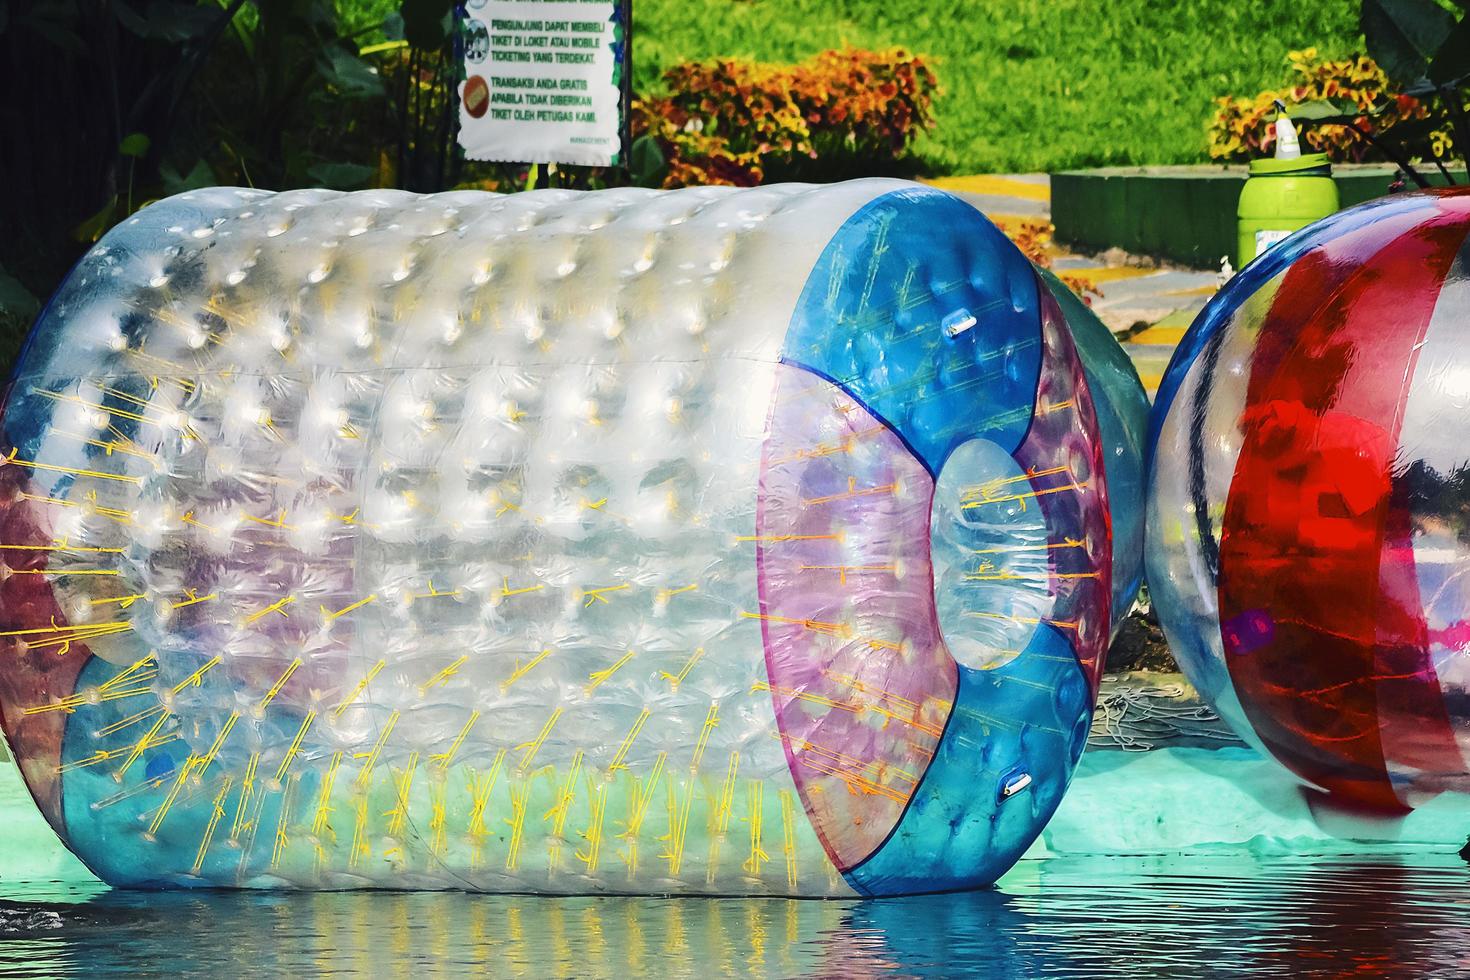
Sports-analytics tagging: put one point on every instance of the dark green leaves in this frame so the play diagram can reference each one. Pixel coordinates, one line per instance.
(1423, 47)
(427, 23)
(199, 176)
(98, 222)
(1403, 36)
(134, 145)
(167, 20)
(352, 77)
(1451, 63)
(54, 22)
(341, 176)
(1327, 111)
(15, 299)
(646, 163)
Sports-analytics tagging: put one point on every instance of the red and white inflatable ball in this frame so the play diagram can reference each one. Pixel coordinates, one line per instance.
(1309, 510)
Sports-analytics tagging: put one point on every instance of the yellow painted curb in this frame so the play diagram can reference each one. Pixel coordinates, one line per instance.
(1196, 291)
(1007, 222)
(1159, 335)
(1095, 276)
(993, 185)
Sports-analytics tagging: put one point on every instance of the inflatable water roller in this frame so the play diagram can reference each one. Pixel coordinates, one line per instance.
(724, 541)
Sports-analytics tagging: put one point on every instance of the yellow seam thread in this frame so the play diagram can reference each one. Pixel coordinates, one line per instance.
(74, 471)
(518, 800)
(197, 677)
(279, 606)
(141, 744)
(519, 671)
(755, 795)
(446, 757)
(357, 691)
(328, 616)
(319, 824)
(480, 789)
(214, 818)
(711, 719)
(642, 795)
(599, 677)
(560, 810)
(247, 788)
(622, 753)
(676, 679)
(365, 777)
(788, 832)
(281, 841)
(593, 833)
(276, 687)
(534, 746)
(123, 675)
(219, 740)
(130, 720)
(404, 785)
(442, 676)
(173, 794)
(295, 747)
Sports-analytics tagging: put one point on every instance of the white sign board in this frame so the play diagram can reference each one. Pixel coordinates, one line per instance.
(542, 81)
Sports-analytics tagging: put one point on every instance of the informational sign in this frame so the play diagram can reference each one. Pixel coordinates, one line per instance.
(545, 81)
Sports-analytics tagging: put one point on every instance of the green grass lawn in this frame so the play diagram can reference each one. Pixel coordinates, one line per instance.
(1029, 85)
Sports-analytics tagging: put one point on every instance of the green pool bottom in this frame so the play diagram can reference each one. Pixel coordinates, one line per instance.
(1169, 800)
(1228, 799)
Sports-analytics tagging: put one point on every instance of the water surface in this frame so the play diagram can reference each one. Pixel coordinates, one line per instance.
(1116, 917)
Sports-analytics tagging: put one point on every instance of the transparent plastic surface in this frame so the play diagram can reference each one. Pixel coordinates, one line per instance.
(1122, 420)
(1307, 544)
(740, 542)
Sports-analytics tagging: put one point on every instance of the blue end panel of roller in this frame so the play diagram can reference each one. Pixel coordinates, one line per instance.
(940, 337)
(1016, 733)
(151, 781)
(937, 335)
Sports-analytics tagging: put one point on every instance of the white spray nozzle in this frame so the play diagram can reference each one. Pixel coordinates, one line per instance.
(1288, 147)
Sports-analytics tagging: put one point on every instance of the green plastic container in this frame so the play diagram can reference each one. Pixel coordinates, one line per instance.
(1279, 197)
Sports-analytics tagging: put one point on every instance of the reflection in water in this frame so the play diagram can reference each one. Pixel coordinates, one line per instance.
(1065, 917)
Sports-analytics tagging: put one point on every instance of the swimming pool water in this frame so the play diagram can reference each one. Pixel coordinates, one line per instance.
(1190, 916)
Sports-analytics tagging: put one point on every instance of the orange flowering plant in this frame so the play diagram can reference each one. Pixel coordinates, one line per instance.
(1241, 129)
(739, 122)
(1033, 236)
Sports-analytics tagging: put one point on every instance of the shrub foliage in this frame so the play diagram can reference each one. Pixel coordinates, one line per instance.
(740, 122)
(1241, 128)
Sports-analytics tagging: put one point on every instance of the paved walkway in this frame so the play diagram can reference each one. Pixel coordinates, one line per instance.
(1148, 306)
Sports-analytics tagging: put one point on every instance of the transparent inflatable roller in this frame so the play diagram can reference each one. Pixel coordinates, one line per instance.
(712, 541)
